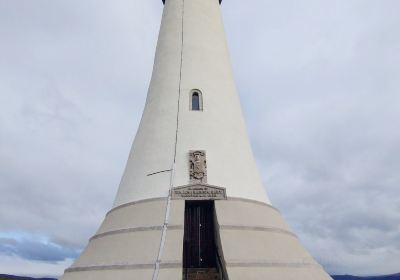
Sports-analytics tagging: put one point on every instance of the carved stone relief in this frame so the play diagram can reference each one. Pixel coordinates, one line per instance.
(198, 167)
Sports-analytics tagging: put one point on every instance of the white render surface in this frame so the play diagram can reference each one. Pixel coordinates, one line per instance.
(276, 273)
(137, 274)
(127, 244)
(257, 244)
(191, 54)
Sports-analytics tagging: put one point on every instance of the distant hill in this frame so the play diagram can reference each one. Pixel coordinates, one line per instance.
(11, 277)
(349, 277)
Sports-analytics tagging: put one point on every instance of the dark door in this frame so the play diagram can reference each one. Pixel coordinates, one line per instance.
(199, 250)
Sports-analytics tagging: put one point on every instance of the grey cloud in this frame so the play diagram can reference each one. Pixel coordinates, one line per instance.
(36, 250)
(66, 86)
(319, 85)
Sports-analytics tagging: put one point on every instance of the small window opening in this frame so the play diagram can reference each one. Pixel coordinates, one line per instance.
(197, 101)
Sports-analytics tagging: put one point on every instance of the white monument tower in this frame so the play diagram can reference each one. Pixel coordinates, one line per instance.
(191, 204)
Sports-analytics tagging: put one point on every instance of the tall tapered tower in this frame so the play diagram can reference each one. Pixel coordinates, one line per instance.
(191, 204)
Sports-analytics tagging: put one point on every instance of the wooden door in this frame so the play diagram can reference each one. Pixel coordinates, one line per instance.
(199, 250)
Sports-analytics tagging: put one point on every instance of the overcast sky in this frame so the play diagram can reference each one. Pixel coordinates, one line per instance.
(319, 83)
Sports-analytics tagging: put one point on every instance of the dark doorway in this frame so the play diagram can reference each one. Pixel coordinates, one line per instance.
(199, 247)
(199, 243)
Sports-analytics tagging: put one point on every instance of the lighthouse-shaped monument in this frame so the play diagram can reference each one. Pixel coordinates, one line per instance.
(191, 204)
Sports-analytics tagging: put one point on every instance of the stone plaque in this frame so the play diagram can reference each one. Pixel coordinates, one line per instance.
(199, 192)
(198, 167)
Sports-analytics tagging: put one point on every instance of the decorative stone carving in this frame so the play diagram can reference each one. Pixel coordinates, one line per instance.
(198, 192)
(198, 167)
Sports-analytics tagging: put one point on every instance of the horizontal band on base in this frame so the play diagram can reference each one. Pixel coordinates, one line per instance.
(179, 227)
(257, 228)
(177, 264)
(137, 229)
(252, 201)
(166, 265)
(272, 264)
(239, 199)
(137, 202)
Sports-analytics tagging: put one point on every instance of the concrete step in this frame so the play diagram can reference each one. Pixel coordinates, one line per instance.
(201, 274)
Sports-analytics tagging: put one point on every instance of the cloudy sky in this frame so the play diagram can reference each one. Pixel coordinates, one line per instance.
(320, 87)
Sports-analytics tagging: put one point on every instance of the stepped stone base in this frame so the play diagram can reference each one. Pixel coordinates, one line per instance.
(255, 241)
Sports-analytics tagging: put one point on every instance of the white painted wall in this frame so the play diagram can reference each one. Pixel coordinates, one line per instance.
(201, 62)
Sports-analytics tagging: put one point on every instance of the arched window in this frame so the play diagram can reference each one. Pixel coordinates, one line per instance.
(196, 101)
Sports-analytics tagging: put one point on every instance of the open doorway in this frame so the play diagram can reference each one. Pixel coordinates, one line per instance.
(200, 254)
